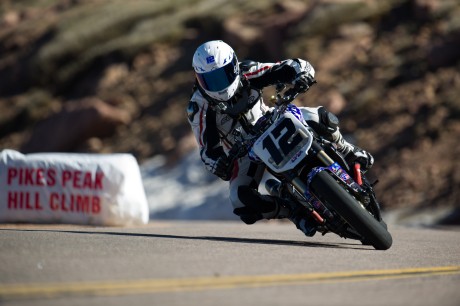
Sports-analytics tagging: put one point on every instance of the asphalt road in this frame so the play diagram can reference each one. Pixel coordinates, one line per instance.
(223, 263)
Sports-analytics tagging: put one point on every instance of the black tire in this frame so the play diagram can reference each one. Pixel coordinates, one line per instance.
(329, 190)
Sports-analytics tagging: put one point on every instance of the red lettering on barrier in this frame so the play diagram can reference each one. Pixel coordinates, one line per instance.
(66, 176)
(12, 173)
(82, 180)
(98, 180)
(40, 178)
(37, 201)
(51, 175)
(82, 203)
(63, 203)
(96, 208)
(24, 200)
(76, 179)
(12, 200)
(28, 179)
(87, 181)
(31, 176)
(75, 203)
(54, 201)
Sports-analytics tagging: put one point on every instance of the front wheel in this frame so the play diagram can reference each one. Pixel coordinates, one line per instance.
(328, 190)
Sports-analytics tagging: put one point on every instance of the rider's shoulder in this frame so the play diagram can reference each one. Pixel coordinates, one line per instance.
(195, 104)
(198, 98)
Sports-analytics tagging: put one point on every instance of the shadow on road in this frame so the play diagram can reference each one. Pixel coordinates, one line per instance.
(210, 238)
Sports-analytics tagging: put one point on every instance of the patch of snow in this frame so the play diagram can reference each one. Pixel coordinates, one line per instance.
(185, 191)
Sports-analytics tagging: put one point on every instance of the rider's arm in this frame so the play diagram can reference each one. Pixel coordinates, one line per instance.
(265, 74)
(202, 120)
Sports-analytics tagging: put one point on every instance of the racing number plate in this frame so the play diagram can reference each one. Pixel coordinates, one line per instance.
(284, 144)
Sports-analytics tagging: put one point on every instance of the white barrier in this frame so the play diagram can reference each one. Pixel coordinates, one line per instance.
(95, 189)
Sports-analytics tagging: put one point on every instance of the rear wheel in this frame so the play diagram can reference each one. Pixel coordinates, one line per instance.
(327, 189)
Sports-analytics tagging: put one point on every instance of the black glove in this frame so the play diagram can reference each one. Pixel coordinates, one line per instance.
(364, 158)
(303, 81)
(223, 168)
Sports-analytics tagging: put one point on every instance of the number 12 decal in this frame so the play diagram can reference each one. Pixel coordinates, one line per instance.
(282, 134)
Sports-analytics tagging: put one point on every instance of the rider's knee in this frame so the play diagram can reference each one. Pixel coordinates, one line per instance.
(325, 124)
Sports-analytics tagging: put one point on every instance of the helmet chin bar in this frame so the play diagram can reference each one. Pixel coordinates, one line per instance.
(223, 106)
(242, 102)
(238, 104)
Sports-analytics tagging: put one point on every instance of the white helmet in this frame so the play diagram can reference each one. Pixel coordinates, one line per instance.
(216, 69)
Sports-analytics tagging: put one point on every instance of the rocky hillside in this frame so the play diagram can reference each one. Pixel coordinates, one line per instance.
(115, 76)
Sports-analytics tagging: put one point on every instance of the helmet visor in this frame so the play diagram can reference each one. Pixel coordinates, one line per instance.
(219, 79)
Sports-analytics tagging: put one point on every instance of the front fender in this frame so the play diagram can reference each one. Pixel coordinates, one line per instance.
(339, 173)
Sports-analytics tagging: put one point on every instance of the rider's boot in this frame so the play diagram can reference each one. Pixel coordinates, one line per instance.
(258, 206)
(352, 153)
(295, 213)
(303, 221)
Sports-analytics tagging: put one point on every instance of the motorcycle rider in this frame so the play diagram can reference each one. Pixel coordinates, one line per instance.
(227, 91)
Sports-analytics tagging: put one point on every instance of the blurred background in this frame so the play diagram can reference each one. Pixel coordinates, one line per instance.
(115, 76)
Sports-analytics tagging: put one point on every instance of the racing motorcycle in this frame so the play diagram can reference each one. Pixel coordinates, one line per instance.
(309, 171)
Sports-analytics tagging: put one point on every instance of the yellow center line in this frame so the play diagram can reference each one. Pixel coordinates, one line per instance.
(126, 287)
